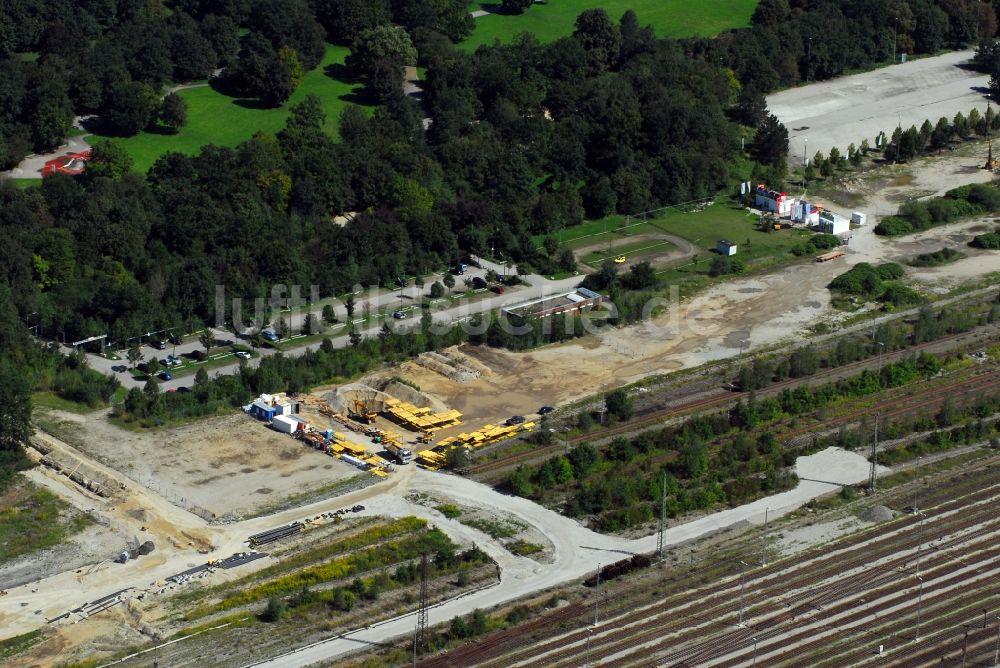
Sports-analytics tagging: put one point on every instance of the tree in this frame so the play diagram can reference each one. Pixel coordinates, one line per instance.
(134, 356)
(457, 458)
(354, 336)
(207, 340)
(131, 106)
(619, 404)
(449, 281)
(517, 6)
(599, 37)
(283, 329)
(379, 55)
(344, 20)
(201, 377)
(173, 112)
(309, 325)
(770, 144)
(329, 314)
(437, 290)
(109, 159)
(641, 276)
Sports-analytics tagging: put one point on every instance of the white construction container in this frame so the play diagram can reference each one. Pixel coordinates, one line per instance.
(859, 218)
(364, 466)
(831, 223)
(285, 424)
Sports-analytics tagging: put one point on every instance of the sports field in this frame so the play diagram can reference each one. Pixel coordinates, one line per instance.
(554, 19)
(214, 118)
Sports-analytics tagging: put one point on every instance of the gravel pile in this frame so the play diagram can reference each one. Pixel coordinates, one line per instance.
(877, 514)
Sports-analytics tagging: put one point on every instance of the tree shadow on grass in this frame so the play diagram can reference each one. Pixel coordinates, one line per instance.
(252, 103)
(342, 73)
(360, 95)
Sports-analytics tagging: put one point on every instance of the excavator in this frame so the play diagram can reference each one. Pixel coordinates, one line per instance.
(361, 412)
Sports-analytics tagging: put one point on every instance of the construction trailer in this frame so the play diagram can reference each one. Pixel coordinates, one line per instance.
(723, 247)
(832, 223)
(772, 201)
(859, 219)
(286, 424)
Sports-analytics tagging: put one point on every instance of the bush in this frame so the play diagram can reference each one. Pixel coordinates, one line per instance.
(901, 295)
(988, 241)
(724, 264)
(893, 226)
(937, 258)
(275, 610)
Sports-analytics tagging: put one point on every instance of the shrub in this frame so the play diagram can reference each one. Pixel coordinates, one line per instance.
(939, 257)
(988, 241)
(893, 226)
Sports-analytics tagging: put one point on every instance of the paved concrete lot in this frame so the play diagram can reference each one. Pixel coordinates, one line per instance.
(857, 107)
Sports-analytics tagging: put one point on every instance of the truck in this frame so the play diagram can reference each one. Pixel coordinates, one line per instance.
(399, 453)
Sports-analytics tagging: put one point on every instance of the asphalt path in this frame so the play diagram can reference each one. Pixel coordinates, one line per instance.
(382, 302)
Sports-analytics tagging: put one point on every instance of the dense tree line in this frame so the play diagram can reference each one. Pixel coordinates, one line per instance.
(794, 41)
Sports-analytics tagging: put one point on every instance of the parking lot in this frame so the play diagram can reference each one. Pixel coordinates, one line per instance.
(850, 109)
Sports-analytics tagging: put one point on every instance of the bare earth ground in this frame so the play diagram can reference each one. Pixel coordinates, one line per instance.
(761, 310)
(657, 255)
(230, 464)
(849, 109)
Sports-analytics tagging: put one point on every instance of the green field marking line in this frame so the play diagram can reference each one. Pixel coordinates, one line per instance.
(633, 251)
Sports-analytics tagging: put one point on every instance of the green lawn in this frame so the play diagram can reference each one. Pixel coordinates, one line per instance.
(33, 518)
(604, 230)
(214, 118)
(555, 19)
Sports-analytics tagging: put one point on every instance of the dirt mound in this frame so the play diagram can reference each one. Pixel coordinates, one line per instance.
(414, 396)
(877, 514)
(450, 364)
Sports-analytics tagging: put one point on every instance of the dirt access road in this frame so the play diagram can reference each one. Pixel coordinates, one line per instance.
(849, 109)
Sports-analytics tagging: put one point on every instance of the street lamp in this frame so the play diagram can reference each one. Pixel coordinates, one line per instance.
(881, 347)
(754, 638)
(742, 579)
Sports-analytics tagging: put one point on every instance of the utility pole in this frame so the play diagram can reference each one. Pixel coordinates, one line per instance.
(743, 566)
(996, 651)
(663, 515)
(754, 652)
(874, 474)
(763, 547)
(597, 596)
(805, 160)
(420, 633)
(920, 602)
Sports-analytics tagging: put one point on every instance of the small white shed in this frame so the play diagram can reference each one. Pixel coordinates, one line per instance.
(723, 247)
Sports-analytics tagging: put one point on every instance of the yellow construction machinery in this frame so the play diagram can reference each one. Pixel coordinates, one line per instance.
(363, 413)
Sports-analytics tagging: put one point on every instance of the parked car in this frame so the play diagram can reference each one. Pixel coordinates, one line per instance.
(460, 269)
(165, 375)
(478, 282)
(499, 289)
(545, 410)
(620, 259)
(399, 315)
(175, 339)
(402, 282)
(242, 354)
(158, 344)
(516, 419)
(270, 335)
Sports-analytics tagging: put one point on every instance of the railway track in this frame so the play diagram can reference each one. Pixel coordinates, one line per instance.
(714, 400)
(798, 585)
